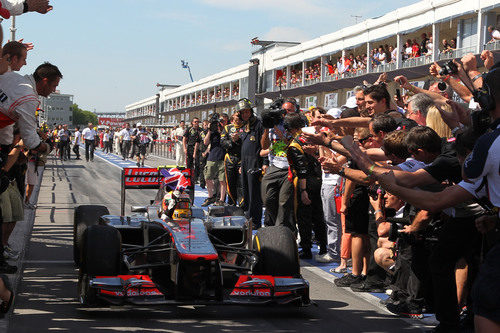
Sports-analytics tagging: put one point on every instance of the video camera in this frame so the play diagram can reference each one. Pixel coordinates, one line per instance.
(274, 115)
(449, 68)
(214, 123)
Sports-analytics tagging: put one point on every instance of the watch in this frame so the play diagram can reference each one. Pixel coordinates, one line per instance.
(341, 172)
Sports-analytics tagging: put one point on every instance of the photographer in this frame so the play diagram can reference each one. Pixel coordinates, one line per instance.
(277, 190)
(251, 162)
(306, 171)
(231, 142)
(215, 163)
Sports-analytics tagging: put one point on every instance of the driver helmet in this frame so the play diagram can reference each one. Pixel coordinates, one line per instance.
(176, 205)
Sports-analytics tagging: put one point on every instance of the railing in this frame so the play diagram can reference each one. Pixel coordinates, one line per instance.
(384, 68)
(312, 81)
(457, 53)
(419, 61)
(492, 46)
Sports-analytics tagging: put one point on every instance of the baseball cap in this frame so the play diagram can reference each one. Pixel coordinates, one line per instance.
(138, 124)
(334, 112)
(351, 102)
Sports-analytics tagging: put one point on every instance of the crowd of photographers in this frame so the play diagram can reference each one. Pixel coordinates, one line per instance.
(406, 188)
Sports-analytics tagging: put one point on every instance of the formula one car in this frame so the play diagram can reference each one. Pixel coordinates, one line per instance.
(172, 253)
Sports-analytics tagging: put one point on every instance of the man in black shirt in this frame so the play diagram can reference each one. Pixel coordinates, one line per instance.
(231, 142)
(191, 141)
(201, 157)
(251, 162)
(215, 168)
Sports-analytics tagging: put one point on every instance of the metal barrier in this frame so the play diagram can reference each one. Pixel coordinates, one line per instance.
(164, 148)
(492, 46)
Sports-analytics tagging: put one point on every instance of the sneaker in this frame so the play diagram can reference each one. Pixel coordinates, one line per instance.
(6, 268)
(138, 164)
(305, 254)
(405, 310)
(10, 254)
(325, 258)
(29, 205)
(365, 286)
(347, 280)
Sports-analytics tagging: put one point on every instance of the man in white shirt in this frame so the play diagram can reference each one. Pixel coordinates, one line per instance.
(76, 142)
(88, 135)
(125, 140)
(180, 156)
(495, 34)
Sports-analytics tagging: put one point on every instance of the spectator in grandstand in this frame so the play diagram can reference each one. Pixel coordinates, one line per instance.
(423, 44)
(429, 46)
(407, 50)
(394, 54)
(415, 49)
(495, 34)
(382, 55)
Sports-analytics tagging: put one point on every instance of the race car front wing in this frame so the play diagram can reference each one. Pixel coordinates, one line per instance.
(249, 290)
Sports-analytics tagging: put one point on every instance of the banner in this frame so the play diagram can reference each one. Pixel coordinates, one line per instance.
(311, 101)
(110, 121)
(331, 100)
(141, 178)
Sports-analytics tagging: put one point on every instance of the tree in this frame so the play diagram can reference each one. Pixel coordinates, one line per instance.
(83, 117)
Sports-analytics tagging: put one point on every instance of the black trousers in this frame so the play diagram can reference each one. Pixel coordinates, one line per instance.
(457, 238)
(76, 150)
(134, 149)
(63, 149)
(200, 163)
(278, 194)
(107, 146)
(89, 149)
(250, 181)
(310, 217)
(232, 169)
(190, 161)
(125, 148)
(374, 274)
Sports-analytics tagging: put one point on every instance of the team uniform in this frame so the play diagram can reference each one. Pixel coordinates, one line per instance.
(232, 162)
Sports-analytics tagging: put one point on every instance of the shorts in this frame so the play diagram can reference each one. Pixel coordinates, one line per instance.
(31, 175)
(486, 289)
(215, 170)
(11, 204)
(141, 150)
(356, 215)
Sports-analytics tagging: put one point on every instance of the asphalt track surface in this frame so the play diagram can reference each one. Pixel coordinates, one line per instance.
(46, 294)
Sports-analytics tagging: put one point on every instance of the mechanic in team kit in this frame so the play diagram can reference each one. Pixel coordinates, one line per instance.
(231, 142)
(191, 141)
(251, 161)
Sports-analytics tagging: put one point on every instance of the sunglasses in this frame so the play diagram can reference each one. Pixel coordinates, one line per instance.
(365, 138)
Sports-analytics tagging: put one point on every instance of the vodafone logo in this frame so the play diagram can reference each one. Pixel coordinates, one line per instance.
(258, 292)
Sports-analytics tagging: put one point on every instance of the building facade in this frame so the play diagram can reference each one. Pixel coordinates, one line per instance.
(56, 109)
(302, 71)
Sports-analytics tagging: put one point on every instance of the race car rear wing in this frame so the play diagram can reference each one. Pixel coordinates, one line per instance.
(146, 178)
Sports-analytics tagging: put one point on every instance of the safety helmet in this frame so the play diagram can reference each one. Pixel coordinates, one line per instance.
(176, 205)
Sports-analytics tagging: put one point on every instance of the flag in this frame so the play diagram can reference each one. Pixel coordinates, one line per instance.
(174, 179)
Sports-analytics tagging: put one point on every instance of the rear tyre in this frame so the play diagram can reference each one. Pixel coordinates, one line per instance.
(277, 250)
(85, 216)
(101, 251)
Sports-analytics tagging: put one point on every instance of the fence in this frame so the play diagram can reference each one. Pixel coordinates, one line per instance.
(164, 148)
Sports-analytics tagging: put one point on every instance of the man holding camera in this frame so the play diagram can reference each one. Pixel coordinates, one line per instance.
(215, 163)
(277, 190)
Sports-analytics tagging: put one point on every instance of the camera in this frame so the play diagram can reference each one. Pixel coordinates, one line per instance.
(449, 68)
(274, 115)
(375, 190)
(214, 123)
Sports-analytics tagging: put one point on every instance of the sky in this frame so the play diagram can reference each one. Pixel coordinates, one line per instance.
(113, 52)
